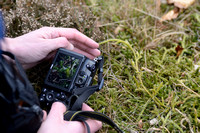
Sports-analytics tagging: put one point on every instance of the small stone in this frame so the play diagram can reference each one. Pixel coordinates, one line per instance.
(154, 121)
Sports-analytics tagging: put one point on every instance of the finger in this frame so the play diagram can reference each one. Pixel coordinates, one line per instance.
(51, 56)
(93, 124)
(44, 115)
(57, 111)
(84, 53)
(73, 34)
(85, 48)
(60, 42)
(85, 107)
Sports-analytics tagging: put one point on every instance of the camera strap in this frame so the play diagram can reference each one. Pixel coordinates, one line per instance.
(83, 94)
(83, 115)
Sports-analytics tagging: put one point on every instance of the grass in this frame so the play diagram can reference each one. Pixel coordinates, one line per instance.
(145, 79)
(148, 87)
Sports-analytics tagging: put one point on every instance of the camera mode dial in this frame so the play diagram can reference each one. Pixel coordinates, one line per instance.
(91, 67)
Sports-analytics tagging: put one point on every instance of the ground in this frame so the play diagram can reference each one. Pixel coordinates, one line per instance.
(151, 73)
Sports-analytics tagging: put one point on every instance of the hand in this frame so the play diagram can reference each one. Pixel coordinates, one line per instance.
(54, 122)
(30, 49)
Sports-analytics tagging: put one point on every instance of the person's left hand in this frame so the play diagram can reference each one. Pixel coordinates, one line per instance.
(30, 49)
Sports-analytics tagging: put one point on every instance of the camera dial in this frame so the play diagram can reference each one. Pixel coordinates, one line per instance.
(92, 68)
(50, 96)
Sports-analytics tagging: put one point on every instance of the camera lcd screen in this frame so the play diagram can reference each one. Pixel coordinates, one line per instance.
(63, 70)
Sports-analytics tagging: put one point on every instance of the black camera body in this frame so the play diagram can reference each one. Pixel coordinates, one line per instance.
(69, 71)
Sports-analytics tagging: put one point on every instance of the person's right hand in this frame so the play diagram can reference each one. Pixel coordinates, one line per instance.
(54, 122)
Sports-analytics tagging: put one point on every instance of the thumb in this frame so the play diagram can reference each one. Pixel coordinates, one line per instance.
(44, 115)
(57, 111)
(60, 42)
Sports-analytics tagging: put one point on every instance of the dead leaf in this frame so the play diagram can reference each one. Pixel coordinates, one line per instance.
(98, 24)
(183, 74)
(146, 69)
(179, 50)
(179, 6)
(170, 15)
(181, 3)
(140, 124)
(118, 29)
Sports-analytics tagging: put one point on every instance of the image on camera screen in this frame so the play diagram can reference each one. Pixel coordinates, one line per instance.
(63, 70)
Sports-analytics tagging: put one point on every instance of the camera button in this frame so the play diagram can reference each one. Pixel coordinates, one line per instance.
(58, 95)
(56, 100)
(50, 96)
(81, 73)
(42, 99)
(44, 90)
(91, 67)
(88, 65)
(63, 97)
(80, 81)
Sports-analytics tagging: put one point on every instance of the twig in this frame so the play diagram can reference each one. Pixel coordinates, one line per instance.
(190, 90)
(121, 21)
(185, 118)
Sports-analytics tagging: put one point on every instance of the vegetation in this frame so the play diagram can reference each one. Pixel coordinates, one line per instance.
(152, 81)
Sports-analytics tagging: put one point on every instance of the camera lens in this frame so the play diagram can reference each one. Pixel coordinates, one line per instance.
(50, 96)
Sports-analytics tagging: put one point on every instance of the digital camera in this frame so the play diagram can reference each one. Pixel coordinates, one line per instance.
(70, 76)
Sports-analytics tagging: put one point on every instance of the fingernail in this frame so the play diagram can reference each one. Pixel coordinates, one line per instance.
(70, 47)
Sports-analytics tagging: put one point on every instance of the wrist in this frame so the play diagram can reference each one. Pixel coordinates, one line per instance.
(6, 44)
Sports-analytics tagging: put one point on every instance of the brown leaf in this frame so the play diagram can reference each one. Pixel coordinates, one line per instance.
(140, 124)
(179, 50)
(146, 69)
(181, 3)
(118, 29)
(170, 15)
